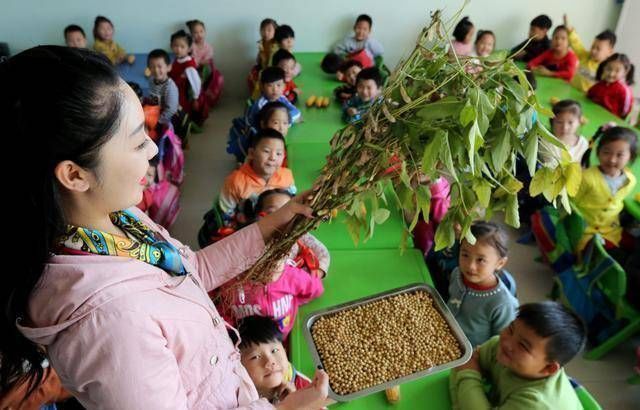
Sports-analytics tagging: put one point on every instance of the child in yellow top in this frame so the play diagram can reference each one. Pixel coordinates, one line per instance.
(104, 42)
(601, 48)
(605, 186)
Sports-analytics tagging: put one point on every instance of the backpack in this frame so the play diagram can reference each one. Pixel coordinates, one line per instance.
(212, 83)
(306, 259)
(213, 229)
(362, 57)
(170, 158)
(166, 204)
(239, 137)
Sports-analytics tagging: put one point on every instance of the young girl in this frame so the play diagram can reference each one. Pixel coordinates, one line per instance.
(565, 124)
(481, 295)
(485, 43)
(184, 72)
(285, 38)
(105, 44)
(605, 186)
(463, 37)
(201, 51)
(288, 288)
(613, 91)
(266, 45)
(308, 253)
(559, 61)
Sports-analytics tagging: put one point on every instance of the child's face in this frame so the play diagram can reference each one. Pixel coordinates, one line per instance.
(180, 47)
(289, 67)
(266, 364)
(614, 156)
(469, 38)
(484, 46)
(600, 50)
(105, 31)
(362, 30)
(614, 71)
(278, 121)
(267, 156)
(523, 351)
(287, 44)
(273, 91)
(538, 33)
(367, 90)
(478, 263)
(267, 32)
(75, 39)
(351, 74)
(565, 125)
(159, 68)
(274, 202)
(198, 34)
(560, 41)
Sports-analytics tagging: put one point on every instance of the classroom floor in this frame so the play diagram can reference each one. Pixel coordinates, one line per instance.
(207, 163)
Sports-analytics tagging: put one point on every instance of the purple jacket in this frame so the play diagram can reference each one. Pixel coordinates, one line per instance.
(123, 334)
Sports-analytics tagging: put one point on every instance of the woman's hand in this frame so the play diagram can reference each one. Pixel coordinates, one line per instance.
(311, 398)
(278, 219)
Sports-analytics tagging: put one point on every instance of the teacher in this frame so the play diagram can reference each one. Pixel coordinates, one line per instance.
(120, 307)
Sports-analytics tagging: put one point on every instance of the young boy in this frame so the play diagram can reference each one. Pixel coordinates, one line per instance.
(285, 60)
(162, 90)
(263, 355)
(74, 36)
(360, 40)
(262, 171)
(368, 83)
(347, 73)
(524, 365)
(272, 89)
(285, 39)
(601, 48)
(540, 42)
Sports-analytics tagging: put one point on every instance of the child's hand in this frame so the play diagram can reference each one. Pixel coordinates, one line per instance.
(543, 71)
(351, 111)
(312, 397)
(318, 273)
(472, 364)
(279, 219)
(297, 91)
(565, 21)
(283, 391)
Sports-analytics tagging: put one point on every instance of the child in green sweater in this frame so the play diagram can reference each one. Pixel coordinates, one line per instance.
(524, 364)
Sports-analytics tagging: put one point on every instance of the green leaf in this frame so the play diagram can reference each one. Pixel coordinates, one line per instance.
(538, 182)
(380, 215)
(573, 178)
(511, 215)
(501, 150)
(447, 159)
(467, 115)
(474, 140)
(531, 151)
(423, 197)
(546, 135)
(445, 236)
(433, 150)
(497, 56)
(482, 189)
(448, 107)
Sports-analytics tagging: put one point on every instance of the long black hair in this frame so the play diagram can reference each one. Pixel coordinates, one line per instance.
(69, 114)
(608, 134)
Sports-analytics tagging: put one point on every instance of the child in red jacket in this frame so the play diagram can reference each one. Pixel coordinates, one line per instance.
(559, 61)
(613, 91)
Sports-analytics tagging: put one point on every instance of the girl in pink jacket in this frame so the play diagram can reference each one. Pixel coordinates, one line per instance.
(119, 308)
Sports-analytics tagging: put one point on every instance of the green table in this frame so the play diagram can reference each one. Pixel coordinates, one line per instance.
(356, 274)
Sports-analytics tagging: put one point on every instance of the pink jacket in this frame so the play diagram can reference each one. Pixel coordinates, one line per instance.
(123, 334)
(424, 232)
(279, 300)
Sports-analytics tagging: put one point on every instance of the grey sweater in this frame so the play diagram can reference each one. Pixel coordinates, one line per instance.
(166, 93)
(349, 44)
(480, 313)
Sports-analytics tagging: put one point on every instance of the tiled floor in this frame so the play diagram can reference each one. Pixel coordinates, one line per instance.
(207, 163)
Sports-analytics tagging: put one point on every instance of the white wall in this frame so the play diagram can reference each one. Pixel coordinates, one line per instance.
(628, 32)
(142, 25)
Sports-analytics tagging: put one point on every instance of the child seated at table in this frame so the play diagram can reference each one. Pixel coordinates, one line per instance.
(539, 41)
(485, 43)
(285, 38)
(524, 366)
(368, 90)
(559, 61)
(613, 89)
(104, 43)
(272, 89)
(604, 187)
(263, 354)
(601, 48)
(185, 75)
(262, 171)
(481, 293)
(74, 36)
(567, 115)
(308, 253)
(287, 289)
(347, 73)
(462, 44)
(285, 60)
(162, 90)
(360, 42)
